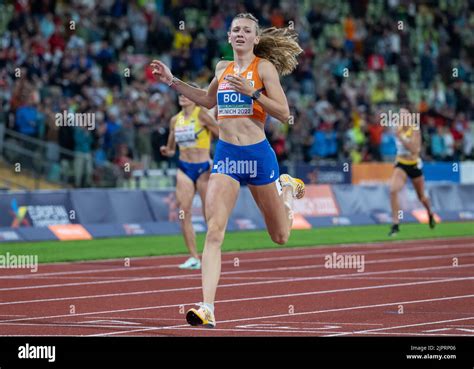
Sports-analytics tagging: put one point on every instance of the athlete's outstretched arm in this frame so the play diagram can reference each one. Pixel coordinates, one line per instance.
(170, 148)
(208, 121)
(274, 102)
(204, 98)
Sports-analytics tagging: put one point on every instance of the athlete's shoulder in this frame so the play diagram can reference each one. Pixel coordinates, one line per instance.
(174, 118)
(266, 68)
(220, 68)
(263, 61)
(265, 64)
(221, 65)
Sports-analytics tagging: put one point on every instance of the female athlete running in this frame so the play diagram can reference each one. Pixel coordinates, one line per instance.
(408, 164)
(245, 91)
(191, 129)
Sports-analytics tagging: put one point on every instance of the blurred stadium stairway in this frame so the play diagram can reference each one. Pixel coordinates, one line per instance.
(11, 180)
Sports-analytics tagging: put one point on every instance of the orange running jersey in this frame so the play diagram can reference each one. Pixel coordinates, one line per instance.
(232, 104)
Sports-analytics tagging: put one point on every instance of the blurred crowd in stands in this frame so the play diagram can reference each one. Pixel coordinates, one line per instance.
(361, 58)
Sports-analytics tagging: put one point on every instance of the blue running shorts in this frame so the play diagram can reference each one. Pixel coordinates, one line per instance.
(251, 164)
(193, 170)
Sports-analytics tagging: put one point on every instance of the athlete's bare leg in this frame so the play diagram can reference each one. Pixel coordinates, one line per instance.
(276, 209)
(222, 193)
(419, 184)
(185, 191)
(201, 186)
(397, 182)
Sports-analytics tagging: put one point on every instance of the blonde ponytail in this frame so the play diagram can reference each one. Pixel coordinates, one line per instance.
(277, 45)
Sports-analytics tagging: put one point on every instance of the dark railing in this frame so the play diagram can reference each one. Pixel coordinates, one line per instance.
(47, 160)
(6, 184)
(34, 157)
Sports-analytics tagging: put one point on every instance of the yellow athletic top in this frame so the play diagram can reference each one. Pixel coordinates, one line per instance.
(189, 133)
(402, 150)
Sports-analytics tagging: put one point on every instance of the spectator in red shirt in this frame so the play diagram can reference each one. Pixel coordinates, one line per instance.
(56, 41)
(457, 130)
(277, 19)
(375, 131)
(376, 62)
(125, 162)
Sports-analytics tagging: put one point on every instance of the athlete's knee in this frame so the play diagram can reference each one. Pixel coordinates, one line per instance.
(280, 237)
(184, 213)
(215, 233)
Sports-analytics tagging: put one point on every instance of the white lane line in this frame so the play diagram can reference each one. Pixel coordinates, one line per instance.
(241, 271)
(304, 331)
(360, 307)
(408, 325)
(77, 325)
(398, 278)
(93, 278)
(306, 322)
(242, 299)
(384, 244)
(231, 330)
(294, 257)
(180, 289)
(123, 268)
(134, 318)
(252, 278)
(109, 321)
(415, 334)
(38, 335)
(313, 332)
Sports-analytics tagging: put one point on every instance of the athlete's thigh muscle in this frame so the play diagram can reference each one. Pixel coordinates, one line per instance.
(271, 206)
(221, 195)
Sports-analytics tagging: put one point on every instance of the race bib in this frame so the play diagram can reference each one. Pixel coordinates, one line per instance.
(233, 103)
(185, 136)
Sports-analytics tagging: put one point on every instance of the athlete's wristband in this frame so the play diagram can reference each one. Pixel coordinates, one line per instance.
(256, 95)
(173, 81)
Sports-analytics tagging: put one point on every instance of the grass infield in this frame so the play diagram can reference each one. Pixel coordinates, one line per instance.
(136, 246)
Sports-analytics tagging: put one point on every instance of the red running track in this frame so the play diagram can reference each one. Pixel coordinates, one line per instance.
(410, 288)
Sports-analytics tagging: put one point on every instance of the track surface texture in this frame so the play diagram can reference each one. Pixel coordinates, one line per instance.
(409, 288)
